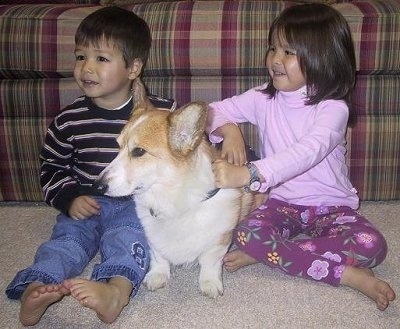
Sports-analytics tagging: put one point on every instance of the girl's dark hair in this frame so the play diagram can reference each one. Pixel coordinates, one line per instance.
(322, 40)
(127, 31)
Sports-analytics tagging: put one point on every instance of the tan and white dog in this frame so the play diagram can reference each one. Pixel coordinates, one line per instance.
(165, 162)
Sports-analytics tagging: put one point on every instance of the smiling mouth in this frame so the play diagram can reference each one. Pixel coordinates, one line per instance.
(89, 82)
(278, 74)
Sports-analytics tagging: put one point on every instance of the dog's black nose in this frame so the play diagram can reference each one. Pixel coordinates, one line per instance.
(100, 187)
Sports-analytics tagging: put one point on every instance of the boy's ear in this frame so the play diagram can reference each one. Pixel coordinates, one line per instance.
(135, 69)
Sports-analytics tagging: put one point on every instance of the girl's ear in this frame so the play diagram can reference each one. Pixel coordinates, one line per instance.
(135, 69)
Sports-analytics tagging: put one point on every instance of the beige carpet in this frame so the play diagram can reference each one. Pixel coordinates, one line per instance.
(255, 297)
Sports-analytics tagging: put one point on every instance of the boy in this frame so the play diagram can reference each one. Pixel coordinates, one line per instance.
(112, 46)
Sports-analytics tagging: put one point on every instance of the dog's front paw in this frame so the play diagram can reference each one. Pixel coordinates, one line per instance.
(211, 288)
(155, 280)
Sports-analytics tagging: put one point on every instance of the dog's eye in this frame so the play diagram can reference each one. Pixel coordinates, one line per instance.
(137, 152)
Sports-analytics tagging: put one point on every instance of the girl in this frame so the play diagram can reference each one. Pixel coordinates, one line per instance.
(309, 226)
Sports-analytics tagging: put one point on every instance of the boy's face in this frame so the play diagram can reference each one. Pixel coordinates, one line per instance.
(101, 73)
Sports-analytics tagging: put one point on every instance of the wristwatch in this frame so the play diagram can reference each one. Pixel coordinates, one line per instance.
(255, 183)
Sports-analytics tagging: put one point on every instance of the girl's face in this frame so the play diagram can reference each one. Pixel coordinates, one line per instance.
(102, 74)
(283, 66)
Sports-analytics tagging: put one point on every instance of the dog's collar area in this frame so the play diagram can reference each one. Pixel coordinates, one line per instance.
(211, 193)
(152, 213)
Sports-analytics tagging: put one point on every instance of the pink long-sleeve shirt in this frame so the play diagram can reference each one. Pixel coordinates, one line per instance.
(303, 146)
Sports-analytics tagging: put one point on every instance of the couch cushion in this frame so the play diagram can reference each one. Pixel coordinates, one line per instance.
(201, 51)
(23, 124)
(14, 2)
(43, 36)
(378, 35)
(130, 2)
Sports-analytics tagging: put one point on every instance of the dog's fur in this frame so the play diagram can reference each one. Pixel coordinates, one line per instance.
(165, 162)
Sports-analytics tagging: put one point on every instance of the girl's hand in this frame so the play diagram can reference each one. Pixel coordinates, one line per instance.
(233, 146)
(228, 175)
(83, 207)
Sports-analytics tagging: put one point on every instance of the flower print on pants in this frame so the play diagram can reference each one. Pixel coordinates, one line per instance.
(367, 239)
(318, 269)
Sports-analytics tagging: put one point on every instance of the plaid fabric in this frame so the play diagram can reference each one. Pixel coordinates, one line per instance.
(26, 109)
(202, 50)
(374, 143)
(14, 2)
(219, 43)
(378, 36)
(37, 41)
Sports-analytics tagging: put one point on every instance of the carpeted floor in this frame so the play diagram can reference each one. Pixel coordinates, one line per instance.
(255, 297)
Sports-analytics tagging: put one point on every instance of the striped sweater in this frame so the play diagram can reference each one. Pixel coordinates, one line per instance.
(79, 144)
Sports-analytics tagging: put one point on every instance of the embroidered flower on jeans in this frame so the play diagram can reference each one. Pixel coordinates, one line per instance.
(367, 239)
(307, 246)
(334, 257)
(338, 271)
(241, 238)
(318, 269)
(273, 257)
(345, 219)
(139, 254)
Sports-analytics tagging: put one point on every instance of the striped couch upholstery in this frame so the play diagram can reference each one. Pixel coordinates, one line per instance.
(202, 50)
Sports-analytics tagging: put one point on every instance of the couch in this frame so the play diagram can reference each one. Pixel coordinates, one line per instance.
(202, 50)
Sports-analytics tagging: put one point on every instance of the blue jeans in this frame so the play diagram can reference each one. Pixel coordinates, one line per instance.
(116, 233)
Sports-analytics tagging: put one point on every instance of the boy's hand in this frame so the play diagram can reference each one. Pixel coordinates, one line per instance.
(233, 146)
(83, 207)
(228, 175)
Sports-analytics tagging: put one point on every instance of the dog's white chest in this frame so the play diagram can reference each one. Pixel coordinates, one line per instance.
(182, 239)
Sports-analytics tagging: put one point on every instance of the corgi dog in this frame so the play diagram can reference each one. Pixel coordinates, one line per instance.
(165, 163)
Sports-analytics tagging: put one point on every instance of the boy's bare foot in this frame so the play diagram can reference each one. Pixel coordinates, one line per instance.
(363, 280)
(236, 259)
(106, 299)
(36, 299)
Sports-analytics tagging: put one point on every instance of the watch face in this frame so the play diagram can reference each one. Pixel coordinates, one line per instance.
(255, 186)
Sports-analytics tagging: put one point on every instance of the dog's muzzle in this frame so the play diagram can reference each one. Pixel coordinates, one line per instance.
(100, 187)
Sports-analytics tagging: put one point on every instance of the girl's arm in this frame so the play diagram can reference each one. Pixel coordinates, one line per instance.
(294, 155)
(222, 122)
(233, 146)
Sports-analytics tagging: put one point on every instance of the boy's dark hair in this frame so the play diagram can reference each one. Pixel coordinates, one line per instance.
(123, 28)
(324, 47)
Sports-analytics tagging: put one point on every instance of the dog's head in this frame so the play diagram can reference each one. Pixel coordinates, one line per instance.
(155, 146)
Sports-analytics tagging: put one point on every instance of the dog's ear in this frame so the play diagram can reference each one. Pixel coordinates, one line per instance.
(140, 100)
(139, 91)
(186, 127)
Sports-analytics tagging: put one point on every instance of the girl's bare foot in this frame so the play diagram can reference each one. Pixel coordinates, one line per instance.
(236, 259)
(363, 280)
(36, 299)
(106, 299)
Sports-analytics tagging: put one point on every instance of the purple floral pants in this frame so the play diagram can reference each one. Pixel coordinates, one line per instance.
(314, 243)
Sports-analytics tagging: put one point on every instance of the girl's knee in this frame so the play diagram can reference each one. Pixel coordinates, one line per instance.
(373, 244)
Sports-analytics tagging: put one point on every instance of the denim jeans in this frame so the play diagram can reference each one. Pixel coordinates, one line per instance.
(116, 233)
